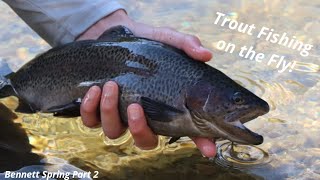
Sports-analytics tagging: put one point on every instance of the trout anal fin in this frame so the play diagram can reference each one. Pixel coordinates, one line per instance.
(67, 110)
(24, 108)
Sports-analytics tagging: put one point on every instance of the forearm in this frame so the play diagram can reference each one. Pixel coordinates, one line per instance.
(118, 17)
(60, 22)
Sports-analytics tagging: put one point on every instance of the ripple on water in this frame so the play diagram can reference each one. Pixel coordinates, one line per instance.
(240, 156)
(291, 129)
(116, 142)
(306, 67)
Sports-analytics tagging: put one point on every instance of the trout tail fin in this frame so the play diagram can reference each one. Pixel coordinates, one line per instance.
(6, 88)
(6, 73)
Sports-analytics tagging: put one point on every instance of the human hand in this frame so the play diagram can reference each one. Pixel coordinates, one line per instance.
(107, 98)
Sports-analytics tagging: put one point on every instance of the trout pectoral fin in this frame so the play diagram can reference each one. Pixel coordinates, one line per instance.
(173, 139)
(159, 111)
(67, 110)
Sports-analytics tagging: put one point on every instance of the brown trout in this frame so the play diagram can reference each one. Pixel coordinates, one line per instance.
(180, 96)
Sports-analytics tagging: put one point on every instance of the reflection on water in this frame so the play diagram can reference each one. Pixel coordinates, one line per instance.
(241, 156)
(291, 130)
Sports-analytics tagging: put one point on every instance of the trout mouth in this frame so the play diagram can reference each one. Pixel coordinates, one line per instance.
(231, 127)
(234, 128)
(237, 132)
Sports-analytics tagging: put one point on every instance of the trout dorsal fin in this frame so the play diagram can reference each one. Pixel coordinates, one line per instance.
(116, 33)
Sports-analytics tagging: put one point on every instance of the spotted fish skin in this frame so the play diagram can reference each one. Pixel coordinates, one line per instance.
(58, 76)
(180, 96)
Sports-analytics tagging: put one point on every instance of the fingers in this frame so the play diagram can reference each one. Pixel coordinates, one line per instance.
(89, 106)
(110, 120)
(141, 133)
(143, 136)
(206, 146)
(188, 43)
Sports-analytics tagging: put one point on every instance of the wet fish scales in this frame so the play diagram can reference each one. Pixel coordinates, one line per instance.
(180, 96)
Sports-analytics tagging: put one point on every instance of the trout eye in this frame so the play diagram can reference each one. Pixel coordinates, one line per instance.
(238, 98)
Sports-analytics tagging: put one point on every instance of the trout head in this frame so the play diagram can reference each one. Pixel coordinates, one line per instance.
(220, 109)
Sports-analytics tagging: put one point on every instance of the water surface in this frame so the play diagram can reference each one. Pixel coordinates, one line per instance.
(291, 130)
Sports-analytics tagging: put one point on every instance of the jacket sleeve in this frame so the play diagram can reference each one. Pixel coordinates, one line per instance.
(61, 21)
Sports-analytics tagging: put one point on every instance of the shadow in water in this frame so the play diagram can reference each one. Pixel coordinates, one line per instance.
(194, 167)
(15, 150)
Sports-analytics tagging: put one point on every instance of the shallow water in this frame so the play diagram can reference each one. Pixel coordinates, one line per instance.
(291, 130)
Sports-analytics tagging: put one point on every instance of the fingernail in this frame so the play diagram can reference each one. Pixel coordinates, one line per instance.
(201, 48)
(207, 151)
(206, 148)
(134, 112)
(93, 91)
(108, 89)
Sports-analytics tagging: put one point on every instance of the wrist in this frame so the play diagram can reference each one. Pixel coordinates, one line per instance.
(118, 17)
